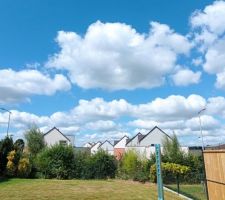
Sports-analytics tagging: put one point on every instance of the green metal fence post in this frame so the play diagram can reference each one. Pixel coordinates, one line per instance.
(159, 172)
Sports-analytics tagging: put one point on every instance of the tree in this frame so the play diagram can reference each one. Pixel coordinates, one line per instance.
(35, 140)
(172, 151)
(19, 145)
(6, 145)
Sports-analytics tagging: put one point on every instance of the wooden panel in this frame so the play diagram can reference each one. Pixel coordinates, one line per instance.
(216, 191)
(215, 173)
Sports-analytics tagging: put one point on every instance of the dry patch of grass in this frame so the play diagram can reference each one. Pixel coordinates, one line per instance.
(43, 189)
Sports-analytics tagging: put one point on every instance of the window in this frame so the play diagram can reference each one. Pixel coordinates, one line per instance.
(63, 142)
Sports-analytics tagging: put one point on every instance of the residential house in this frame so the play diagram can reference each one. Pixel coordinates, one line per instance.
(55, 136)
(119, 147)
(107, 147)
(88, 145)
(94, 148)
(145, 144)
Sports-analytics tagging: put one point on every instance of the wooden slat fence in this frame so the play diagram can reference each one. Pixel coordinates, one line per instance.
(215, 173)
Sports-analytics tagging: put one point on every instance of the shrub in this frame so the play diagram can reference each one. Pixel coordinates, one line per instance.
(56, 162)
(24, 167)
(11, 166)
(81, 168)
(129, 163)
(133, 166)
(101, 166)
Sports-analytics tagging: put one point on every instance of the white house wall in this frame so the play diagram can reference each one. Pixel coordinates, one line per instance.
(134, 142)
(106, 146)
(121, 144)
(87, 145)
(94, 149)
(155, 137)
(53, 137)
(144, 152)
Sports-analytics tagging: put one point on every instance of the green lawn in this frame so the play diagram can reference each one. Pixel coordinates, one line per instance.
(194, 191)
(40, 189)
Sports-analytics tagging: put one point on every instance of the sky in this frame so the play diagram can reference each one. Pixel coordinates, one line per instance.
(104, 69)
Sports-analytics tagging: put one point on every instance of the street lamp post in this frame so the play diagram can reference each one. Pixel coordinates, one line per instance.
(200, 123)
(8, 119)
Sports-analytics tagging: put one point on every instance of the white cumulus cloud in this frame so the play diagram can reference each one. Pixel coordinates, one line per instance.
(20, 85)
(115, 56)
(185, 77)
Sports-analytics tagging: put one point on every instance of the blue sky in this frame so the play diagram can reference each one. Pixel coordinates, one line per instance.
(100, 69)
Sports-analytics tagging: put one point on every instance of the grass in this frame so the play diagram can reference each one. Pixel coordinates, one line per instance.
(43, 189)
(193, 191)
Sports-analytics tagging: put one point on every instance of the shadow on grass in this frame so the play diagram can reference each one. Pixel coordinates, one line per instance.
(4, 179)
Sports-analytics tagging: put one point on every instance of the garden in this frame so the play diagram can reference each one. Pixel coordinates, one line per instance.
(61, 172)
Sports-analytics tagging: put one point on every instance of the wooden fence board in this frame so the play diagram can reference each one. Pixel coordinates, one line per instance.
(215, 173)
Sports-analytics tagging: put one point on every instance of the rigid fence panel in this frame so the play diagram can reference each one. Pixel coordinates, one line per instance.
(215, 173)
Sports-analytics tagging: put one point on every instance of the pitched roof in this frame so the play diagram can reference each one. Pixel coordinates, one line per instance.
(139, 137)
(58, 131)
(95, 144)
(117, 141)
(156, 127)
(104, 143)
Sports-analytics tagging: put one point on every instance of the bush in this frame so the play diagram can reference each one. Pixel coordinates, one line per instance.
(101, 166)
(129, 163)
(81, 168)
(56, 162)
(133, 166)
(24, 167)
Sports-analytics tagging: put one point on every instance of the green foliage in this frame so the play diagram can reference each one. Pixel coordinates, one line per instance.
(6, 145)
(19, 145)
(172, 151)
(62, 162)
(169, 169)
(35, 140)
(130, 163)
(56, 162)
(101, 166)
(81, 165)
(133, 166)
(24, 167)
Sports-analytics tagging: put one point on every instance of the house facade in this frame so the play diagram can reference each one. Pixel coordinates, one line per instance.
(55, 136)
(119, 147)
(107, 147)
(94, 148)
(145, 144)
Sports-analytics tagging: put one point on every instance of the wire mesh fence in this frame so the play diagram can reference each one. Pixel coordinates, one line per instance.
(192, 184)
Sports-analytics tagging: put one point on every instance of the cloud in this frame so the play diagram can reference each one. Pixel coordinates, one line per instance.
(102, 125)
(18, 86)
(211, 18)
(171, 108)
(100, 119)
(185, 77)
(99, 109)
(115, 56)
(209, 35)
(209, 123)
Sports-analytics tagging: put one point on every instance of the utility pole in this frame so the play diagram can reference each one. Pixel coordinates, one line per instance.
(8, 120)
(200, 123)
